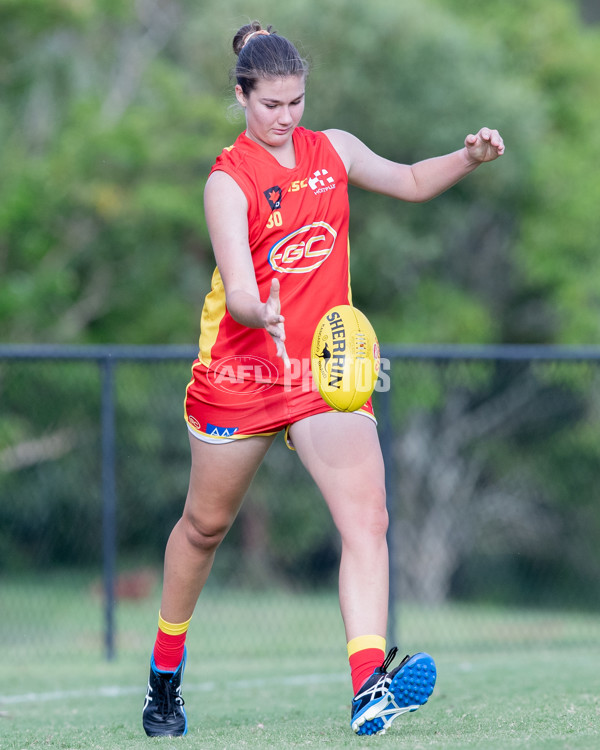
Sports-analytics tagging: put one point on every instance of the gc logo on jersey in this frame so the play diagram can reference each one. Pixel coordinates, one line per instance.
(304, 249)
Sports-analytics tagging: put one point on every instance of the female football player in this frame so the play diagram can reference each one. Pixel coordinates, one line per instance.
(276, 205)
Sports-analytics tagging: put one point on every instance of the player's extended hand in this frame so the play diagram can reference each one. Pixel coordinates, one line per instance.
(274, 321)
(486, 145)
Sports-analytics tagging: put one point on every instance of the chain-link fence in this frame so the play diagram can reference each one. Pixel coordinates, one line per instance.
(493, 465)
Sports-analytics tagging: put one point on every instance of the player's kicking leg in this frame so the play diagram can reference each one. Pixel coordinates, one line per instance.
(343, 455)
(387, 695)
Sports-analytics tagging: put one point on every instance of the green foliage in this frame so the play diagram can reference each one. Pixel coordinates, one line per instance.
(113, 113)
(547, 46)
(101, 221)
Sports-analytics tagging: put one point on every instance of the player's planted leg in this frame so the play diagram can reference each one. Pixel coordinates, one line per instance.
(164, 714)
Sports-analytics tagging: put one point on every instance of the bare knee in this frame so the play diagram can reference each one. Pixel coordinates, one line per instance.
(375, 519)
(367, 519)
(204, 534)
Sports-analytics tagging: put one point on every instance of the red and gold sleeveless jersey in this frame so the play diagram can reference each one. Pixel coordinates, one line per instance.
(298, 232)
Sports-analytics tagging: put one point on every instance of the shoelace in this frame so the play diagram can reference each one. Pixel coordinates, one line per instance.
(377, 689)
(390, 658)
(166, 697)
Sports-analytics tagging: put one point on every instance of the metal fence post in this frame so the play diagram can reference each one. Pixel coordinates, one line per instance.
(109, 500)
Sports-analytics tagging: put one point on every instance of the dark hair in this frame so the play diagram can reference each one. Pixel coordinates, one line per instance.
(264, 55)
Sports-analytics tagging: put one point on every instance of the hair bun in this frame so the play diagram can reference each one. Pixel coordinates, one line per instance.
(241, 37)
(273, 56)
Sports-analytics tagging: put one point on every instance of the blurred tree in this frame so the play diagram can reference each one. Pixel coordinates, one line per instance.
(546, 44)
(107, 142)
(494, 462)
(112, 114)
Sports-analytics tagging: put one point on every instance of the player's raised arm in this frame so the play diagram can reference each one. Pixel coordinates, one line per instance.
(417, 182)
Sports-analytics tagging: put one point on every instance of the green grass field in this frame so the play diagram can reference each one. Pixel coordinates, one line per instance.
(537, 699)
(506, 678)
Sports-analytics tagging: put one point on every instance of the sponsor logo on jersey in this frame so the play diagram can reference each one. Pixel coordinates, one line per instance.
(321, 182)
(303, 250)
(298, 185)
(194, 422)
(273, 195)
(215, 431)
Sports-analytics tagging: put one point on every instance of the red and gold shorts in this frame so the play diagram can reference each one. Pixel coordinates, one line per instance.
(220, 409)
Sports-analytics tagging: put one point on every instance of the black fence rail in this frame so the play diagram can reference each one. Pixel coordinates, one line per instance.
(492, 458)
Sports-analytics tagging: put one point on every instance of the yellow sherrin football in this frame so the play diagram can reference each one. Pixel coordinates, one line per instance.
(345, 358)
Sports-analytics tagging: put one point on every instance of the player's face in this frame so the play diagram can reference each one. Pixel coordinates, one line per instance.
(273, 109)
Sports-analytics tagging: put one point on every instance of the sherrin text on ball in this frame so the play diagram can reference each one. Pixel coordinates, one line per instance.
(345, 358)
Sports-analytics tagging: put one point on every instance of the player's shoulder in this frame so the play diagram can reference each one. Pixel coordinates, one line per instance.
(340, 137)
(230, 167)
(235, 154)
(312, 136)
(224, 191)
(307, 134)
(331, 140)
(344, 143)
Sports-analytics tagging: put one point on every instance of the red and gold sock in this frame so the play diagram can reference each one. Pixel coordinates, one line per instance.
(365, 654)
(169, 645)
